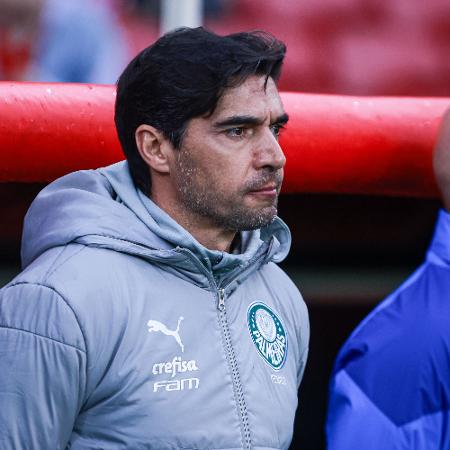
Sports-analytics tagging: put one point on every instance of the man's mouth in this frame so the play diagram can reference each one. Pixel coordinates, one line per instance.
(268, 191)
(267, 188)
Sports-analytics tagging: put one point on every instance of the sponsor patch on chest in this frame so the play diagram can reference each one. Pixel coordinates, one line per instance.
(268, 334)
(176, 367)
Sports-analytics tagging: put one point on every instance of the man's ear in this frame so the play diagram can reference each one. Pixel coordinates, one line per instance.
(153, 147)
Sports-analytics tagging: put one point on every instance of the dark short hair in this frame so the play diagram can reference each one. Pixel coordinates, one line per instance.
(182, 76)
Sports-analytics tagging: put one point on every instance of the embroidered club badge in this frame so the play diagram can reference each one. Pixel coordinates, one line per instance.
(268, 334)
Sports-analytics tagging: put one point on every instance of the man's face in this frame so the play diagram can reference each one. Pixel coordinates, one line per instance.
(229, 169)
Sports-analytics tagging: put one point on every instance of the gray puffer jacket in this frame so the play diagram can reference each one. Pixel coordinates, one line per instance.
(123, 332)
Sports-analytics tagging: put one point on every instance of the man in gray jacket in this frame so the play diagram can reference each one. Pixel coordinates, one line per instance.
(150, 313)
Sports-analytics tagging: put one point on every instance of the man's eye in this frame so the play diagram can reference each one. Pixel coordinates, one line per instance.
(276, 129)
(236, 132)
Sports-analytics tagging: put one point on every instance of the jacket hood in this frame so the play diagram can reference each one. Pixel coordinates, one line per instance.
(103, 208)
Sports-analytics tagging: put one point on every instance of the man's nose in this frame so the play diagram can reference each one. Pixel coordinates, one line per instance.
(270, 153)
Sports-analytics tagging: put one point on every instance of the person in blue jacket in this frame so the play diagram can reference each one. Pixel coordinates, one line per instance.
(151, 313)
(390, 387)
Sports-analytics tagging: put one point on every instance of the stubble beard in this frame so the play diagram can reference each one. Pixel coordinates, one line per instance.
(228, 212)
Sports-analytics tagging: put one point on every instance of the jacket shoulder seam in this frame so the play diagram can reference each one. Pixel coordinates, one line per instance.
(54, 266)
(385, 415)
(64, 300)
(371, 400)
(4, 327)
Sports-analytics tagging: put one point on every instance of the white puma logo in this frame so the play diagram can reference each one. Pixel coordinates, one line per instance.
(154, 325)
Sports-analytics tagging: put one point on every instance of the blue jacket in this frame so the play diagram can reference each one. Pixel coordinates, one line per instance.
(123, 332)
(391, 384)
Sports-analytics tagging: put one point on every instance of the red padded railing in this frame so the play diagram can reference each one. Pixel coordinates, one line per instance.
(333, 144)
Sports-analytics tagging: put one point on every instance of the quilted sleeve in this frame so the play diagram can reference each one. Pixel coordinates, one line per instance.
(42, 369)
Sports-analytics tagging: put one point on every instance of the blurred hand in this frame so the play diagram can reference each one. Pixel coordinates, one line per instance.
(441, 160)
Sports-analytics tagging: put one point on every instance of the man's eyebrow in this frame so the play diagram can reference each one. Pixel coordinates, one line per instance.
(238, 120)
(281, 120)
(248, 120)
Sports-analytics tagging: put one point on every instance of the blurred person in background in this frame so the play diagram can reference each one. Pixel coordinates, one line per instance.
(153, 7)
(390, 387)
(60, 40)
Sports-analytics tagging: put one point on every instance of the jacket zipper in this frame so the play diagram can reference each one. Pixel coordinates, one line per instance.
(231, 357)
